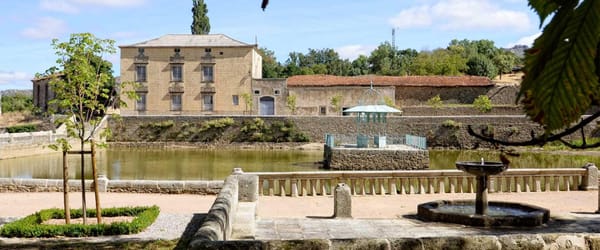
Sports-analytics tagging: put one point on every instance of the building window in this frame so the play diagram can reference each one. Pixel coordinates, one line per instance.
(140, 73)
(177, 73)
(207, 101)
(207, 50)
(322, 110)
(277, 92)
(140, 104)
(207, 73)
(175, 102)
(236, 100)
(257, 92)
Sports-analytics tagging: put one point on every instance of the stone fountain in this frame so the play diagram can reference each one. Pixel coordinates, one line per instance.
(485, 214)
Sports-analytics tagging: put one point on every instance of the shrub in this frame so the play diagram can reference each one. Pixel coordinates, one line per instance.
(22, 128)
(483, 104)
(451, 124)
(257, 130)
(435, 102)
(31, 226)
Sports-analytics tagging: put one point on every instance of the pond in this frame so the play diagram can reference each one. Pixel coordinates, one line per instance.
(192, 164)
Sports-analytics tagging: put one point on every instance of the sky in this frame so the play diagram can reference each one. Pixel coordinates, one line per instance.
(27, 27)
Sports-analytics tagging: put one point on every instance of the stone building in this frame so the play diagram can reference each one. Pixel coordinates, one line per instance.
(189, 74)
(42, 92)
(314, 93)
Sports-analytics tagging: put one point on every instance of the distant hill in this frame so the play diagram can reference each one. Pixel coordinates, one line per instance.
(11, 92)
(518, 50)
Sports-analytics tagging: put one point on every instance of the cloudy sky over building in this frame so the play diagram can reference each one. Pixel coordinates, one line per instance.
(349, 27)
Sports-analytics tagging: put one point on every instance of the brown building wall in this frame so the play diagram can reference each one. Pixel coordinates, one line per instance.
(310, 99)
(232, 74)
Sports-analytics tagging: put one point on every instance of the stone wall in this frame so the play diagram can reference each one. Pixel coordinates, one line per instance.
(440, 131)
(340, 158)
(510, 241)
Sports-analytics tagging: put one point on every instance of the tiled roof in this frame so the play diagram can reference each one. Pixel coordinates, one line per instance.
(426, 81)
(187, 40)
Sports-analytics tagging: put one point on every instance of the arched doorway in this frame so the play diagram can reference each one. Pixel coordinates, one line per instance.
(267, 105)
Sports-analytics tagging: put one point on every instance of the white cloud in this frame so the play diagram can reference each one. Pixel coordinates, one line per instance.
(74, 6)
(58, 6)
(527, 40)
(45, 27)
(351, 52)
(412, 18)
(9, 77)
(461, 14)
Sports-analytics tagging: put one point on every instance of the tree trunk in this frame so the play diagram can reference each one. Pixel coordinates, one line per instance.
(66, 188)
(83, 207)
(96, 193)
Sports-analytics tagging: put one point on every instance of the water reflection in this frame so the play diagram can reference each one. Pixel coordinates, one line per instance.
(190, 164)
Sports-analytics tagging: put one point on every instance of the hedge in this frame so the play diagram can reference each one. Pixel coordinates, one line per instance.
(31, 226)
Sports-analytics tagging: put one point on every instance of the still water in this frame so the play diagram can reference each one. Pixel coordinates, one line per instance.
(190, 164)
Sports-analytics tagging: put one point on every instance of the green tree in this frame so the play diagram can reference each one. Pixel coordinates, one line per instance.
(17, 102)
(291, 103)
(82, 93)
(505, 61)
(270, 67)
(336, 102)
(360, 66)
(248, 101)
(480, 65)
(200, 24)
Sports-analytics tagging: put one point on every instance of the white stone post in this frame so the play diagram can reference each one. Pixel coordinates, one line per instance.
(342, 203)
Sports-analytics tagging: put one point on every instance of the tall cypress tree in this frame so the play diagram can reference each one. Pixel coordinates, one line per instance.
(200, 24)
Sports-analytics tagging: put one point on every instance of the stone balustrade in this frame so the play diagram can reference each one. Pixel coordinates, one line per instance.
(425, 181)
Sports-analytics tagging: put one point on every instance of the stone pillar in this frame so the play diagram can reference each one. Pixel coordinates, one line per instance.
(342, 203)
(102, 183)
(590, 180)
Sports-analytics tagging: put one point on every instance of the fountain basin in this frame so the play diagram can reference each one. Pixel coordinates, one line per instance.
(481, 168)
(500, 214)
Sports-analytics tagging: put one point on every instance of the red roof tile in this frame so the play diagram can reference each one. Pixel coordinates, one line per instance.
(425, 81)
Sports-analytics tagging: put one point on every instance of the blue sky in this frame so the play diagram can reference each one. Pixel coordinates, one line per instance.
(350, 27)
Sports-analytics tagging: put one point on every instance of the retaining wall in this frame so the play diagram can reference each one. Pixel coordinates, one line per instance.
(340, 158)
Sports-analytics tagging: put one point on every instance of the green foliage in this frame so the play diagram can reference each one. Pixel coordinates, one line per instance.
(153, 131)
(257, 130)
(271, 68)
(31, 226)
(435, 102)
(208, 131)
(438, 62)
(291, 103)
(390, 102)
(83, 83)
(483, 104)
(200, 23)
(451, 124)
(480, 65)
(22, 128)
(248, 101)
(563, 67)
(336, 102)
(18, 102)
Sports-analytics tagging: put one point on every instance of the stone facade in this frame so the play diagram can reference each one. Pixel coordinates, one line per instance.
(189, 74)
(42, 93)
(313, 100)
(340, 158)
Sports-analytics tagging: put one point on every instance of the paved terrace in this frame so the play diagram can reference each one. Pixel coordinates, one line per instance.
(306, 217)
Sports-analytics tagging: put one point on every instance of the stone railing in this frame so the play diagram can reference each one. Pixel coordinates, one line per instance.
(106, 185)
(425, 181)
(233, 214)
